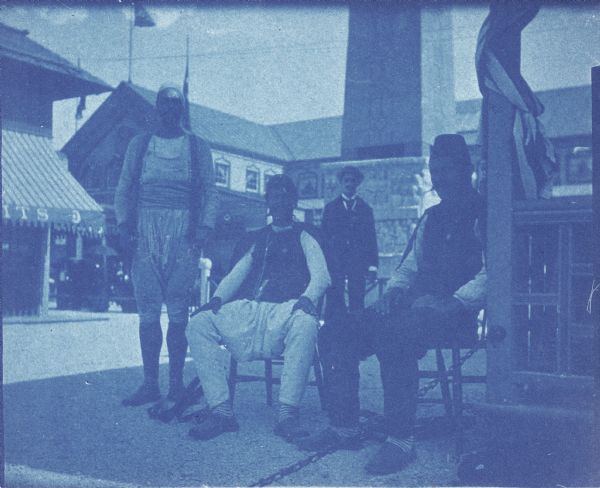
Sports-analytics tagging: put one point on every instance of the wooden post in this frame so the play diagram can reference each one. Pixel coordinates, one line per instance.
(205, 265)
(500, 161)
(45, 271)
(130, 59)
(595, 298)
(78, 246)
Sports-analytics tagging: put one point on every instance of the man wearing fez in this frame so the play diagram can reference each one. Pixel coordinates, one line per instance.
(350, 243)
(264, 307)
(165, 204)
(433, 295)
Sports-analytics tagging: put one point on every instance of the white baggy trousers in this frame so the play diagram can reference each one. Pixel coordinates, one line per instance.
(252, 330)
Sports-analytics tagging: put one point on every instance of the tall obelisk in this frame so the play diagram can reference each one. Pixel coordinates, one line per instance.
(399, 79)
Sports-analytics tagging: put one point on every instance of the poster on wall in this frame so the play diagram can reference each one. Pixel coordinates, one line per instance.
(308, 185)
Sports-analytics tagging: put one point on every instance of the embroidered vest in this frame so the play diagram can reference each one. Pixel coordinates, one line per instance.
(279, 271)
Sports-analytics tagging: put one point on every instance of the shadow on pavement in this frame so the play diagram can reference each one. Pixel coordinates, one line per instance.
(76, 425)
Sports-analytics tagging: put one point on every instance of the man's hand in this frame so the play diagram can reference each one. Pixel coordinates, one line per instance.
(306, 305)
(389, 300)
(444, 305)
(126, 239)
(214, 305)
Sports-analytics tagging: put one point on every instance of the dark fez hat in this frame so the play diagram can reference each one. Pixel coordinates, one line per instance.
(450, 147)
(351, 170)
(285, 183)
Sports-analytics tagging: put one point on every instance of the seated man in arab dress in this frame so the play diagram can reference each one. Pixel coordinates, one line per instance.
(432, 297)
(265, 307)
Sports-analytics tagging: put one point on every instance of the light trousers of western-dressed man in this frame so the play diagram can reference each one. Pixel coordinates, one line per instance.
(253, 330)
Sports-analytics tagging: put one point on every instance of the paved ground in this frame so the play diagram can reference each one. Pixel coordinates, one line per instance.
(65, 427)
(57, 316)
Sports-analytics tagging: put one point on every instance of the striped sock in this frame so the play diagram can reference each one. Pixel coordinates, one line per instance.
(224, 409)
(287, 411)
(406, 444)
(347, 432)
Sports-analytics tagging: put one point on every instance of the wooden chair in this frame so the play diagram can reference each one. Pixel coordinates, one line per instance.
(270, 380)
(453, 400)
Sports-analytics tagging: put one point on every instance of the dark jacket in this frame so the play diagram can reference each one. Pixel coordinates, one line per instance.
(349, 238)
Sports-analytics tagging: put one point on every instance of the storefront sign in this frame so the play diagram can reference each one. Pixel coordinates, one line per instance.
(93, 221)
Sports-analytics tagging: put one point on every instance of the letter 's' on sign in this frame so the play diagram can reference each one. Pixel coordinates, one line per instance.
(75, 217)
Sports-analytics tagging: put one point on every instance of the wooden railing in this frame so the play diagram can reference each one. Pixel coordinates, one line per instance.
(552, 278)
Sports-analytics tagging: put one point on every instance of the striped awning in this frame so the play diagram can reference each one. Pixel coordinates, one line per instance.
(37, 188)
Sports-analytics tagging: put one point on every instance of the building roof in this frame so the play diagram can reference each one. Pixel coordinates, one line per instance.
(37, 184)
(229, 131)
(17, 46)
(312, 139)
(567, 112)
(282, 143)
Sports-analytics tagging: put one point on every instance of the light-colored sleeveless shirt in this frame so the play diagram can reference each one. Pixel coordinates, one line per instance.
(166, 173)
(165, 188)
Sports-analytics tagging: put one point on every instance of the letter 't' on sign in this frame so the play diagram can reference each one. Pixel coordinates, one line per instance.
(23, 212)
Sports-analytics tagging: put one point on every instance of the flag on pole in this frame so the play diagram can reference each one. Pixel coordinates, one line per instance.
(186, 87)
(80, 108)
(142, 18)
(537, 165)
(81, 104)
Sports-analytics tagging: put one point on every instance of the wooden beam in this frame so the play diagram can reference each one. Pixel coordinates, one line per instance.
(45, 270)
(501, 159)
(595, 306)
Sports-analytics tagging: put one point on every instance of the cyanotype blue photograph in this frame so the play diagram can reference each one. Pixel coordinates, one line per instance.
(260, 243)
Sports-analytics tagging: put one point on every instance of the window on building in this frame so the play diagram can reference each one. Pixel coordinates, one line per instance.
(579, 166)
(252, 179)
(222, 171)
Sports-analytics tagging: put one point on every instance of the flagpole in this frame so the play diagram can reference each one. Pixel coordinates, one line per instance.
(187, 52)
(76, 112)
(131, 42)
(187, 121)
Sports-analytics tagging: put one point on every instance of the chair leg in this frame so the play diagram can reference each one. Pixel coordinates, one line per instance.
(457, 397)
(269, 381)
(232, 377)
(444, 384)
(319, 380)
